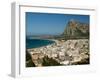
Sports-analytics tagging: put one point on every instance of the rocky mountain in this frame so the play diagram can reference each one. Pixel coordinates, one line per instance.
(76, 29)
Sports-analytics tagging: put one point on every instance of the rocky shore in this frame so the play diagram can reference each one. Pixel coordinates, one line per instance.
(68, 52)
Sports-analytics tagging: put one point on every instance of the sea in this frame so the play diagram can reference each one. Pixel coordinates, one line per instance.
(36, 43)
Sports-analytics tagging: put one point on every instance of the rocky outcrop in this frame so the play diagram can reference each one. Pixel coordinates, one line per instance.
(75, 29)
(29, 62)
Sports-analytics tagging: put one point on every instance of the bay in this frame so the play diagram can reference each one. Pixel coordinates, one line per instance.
(36, 43)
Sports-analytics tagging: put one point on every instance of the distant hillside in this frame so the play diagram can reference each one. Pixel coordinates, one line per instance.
(76, 29)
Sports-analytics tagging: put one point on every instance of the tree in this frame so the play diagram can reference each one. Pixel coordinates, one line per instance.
(49, 62)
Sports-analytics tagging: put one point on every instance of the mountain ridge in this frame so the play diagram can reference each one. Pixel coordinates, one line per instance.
(76, 29)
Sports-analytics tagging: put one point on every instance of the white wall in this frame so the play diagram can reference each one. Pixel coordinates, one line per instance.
(5, 40)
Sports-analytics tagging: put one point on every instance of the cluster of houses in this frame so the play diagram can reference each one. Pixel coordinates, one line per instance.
(65, 52)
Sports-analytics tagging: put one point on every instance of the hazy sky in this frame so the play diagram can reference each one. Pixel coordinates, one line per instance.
(47, 23)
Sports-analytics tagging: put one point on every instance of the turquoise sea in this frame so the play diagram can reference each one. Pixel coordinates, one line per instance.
(36, 43)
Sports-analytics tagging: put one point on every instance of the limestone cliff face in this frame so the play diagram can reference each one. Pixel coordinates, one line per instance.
(76, 29)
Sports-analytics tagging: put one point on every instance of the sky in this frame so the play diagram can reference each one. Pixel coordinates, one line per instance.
(51, 24)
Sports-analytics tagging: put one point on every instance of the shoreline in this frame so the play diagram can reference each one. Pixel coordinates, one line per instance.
(55, 41)
(67, 52)
(52, 42)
